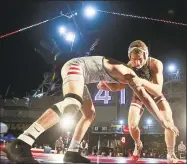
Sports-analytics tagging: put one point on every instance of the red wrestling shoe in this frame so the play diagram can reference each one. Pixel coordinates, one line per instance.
(137, 151)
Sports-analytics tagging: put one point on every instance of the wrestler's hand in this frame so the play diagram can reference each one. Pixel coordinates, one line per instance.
(136, 80)
(102, 85)
(168, 125)
(110, 86)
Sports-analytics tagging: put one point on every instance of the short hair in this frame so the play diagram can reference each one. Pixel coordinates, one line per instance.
(138, 43)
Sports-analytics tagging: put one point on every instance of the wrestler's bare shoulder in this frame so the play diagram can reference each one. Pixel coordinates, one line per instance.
(156, 63)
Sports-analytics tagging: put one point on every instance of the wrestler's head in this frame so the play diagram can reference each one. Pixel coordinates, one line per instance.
(138, 53)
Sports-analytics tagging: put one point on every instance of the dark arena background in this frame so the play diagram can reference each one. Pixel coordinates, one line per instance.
(37, 38)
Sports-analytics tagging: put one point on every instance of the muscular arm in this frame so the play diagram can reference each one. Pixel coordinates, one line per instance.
(146, 99)
(129, 76)
(110, 86)
(139, 90)
(155, 87)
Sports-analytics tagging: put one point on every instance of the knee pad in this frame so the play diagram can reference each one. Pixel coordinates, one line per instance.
(71, 104)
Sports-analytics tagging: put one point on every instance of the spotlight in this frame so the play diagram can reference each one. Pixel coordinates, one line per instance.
(149, 121)
(90, 12)
(70, 37)
(62, 30)
(121, 122)
(172, 68)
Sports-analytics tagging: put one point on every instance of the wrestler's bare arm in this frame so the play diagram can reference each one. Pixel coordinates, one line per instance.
(139, 90)
(155, 87)
(110, 86)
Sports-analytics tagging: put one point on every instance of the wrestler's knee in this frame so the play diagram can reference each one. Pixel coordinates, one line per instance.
(90, 115)
(71, 104)
(133, 124)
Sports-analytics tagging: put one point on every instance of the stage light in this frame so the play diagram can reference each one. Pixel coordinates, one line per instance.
(149, 121)
(67, 122)
(62, 30)
(70, 37)
(121, 122)
(172, 68)
(89, 12)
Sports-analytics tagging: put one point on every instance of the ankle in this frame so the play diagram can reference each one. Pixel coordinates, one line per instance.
(74, 146)
(138, 142)
(171, 150)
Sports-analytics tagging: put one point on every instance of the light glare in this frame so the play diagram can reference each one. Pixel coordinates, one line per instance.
(121, 122)
(149, 121)
(172, 68)
(90, 12)
(62, 30)
(70, 37)
(67, 122)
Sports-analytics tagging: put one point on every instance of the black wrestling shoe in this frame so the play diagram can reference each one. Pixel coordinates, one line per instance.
(19, 152)
(75, 157)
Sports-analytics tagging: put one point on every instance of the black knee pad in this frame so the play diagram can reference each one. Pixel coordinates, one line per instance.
(55, 109)
(75, 96)
(69, 95)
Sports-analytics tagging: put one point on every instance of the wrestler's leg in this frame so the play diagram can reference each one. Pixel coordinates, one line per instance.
(88, 115)
(127, 75)
(71, 104)
(134, 116)
(151, 105)
(170, 137)
(135, 113)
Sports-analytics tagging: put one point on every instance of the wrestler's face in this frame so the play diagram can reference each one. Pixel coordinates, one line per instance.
(137, 59)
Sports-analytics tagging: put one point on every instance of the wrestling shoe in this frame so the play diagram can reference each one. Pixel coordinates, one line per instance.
(19, 152)
(75, 157)
(137, 151)
(171, 158)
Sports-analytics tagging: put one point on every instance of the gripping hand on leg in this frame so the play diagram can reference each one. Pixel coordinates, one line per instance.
(169, 125)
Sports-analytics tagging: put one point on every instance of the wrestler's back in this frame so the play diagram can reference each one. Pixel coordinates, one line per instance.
(93, 69)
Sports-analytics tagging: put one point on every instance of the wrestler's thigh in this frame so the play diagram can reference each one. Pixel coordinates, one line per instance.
(88, 108)
(134, 115)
